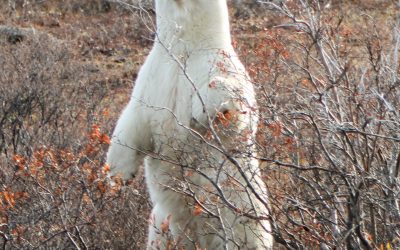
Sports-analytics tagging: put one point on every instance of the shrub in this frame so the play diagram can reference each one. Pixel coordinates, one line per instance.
(53, 188)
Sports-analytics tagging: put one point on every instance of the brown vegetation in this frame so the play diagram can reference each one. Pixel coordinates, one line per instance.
(327, 75)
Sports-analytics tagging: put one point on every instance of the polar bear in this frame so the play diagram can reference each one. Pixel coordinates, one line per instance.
(191, 121)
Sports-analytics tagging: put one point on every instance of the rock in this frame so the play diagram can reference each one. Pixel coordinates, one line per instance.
(14, 35)
(11, 34)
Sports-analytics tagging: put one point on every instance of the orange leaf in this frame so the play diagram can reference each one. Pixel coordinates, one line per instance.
(102, 187)
(105, 139)
(276, 128)
(165, 224)
(197, 210)
(18, 159)
(91, 177)
(9, 198)
(106, 113)
(106, 168)
(95, 133)
(20, 195)
(224, 118)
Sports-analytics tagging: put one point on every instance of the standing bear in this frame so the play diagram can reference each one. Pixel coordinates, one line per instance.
(191, 121)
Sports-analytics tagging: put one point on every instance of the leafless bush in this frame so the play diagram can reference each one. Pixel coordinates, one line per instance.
(88, 7)
(53, 191)
(331, 112)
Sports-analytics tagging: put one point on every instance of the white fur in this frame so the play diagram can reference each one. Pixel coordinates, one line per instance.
(193, 68)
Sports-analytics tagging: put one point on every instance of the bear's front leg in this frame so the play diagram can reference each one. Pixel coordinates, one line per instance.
(125, 154)
(123, 160)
